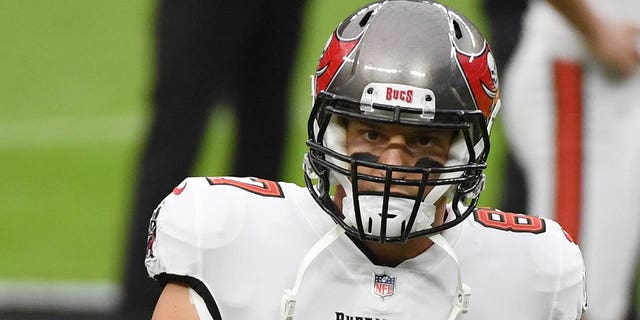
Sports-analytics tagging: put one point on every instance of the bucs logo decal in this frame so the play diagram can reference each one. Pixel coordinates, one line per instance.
(482, 77)
(332, 58)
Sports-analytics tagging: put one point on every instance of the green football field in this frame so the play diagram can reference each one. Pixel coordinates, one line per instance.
(75, 81)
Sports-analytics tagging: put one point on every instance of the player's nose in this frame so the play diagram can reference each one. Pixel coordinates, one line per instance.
(397, 153)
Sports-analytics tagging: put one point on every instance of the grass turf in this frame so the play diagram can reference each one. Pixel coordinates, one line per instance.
(74, 88)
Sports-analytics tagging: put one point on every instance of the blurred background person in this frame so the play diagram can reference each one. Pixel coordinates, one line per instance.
(504, 21)
(572, 91)
(210, 52)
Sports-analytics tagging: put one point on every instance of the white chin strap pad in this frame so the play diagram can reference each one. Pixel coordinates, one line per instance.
(398, 214)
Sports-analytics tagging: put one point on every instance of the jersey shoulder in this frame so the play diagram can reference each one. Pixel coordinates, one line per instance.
(210, 212)
(548, 247)
(536, 259)
(529, 242)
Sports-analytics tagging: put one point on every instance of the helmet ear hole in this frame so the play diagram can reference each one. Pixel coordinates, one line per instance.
(458, 31)
(365, 19)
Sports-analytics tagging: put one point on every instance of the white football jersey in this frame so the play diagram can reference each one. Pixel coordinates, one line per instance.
(239, 242)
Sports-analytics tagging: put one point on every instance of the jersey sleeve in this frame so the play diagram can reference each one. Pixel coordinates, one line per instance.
(177, 237)
(172, 243)
(539, 270)
(204, 235)
(570, 299)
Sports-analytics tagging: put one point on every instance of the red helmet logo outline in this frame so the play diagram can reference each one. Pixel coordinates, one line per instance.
(332, 58)
(481, 74)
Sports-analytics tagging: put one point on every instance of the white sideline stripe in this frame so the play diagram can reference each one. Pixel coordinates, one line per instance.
(63, 296)
(65, 131)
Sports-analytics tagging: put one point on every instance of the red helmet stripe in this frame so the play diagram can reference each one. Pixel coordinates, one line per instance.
(481, 77)
(332, 59)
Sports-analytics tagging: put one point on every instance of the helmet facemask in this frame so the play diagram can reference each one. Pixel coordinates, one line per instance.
(385, 216)
(379, 66)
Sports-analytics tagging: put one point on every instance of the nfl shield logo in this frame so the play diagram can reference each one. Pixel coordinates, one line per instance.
(383, 285)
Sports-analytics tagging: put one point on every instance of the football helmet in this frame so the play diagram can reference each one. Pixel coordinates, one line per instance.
(412, 63)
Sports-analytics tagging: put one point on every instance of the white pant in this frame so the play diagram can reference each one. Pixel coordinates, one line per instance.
(610, 190)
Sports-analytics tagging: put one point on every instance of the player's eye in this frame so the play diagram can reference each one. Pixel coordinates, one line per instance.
(372, 135)
(424, 140)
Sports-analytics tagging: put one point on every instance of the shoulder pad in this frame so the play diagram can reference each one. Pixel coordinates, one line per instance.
(191, 218)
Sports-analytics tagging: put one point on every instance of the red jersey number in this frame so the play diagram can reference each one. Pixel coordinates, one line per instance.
(265, 188)
(508, 221)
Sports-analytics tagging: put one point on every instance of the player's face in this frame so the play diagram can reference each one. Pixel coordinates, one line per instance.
(396, 145)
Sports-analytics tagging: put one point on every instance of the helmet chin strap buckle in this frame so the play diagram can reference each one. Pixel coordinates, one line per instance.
(288, 305)
(479, 187)
(308, 168)
(289, 298)
(463, 291)
(463, 295)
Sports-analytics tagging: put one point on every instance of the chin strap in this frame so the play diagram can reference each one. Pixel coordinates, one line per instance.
(288, 304)
(463, 291)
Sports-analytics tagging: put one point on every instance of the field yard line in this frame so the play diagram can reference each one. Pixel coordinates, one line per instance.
(59, 296)
(69, 131)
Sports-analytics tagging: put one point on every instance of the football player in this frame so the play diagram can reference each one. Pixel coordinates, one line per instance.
(387, 228)
(572, 91)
